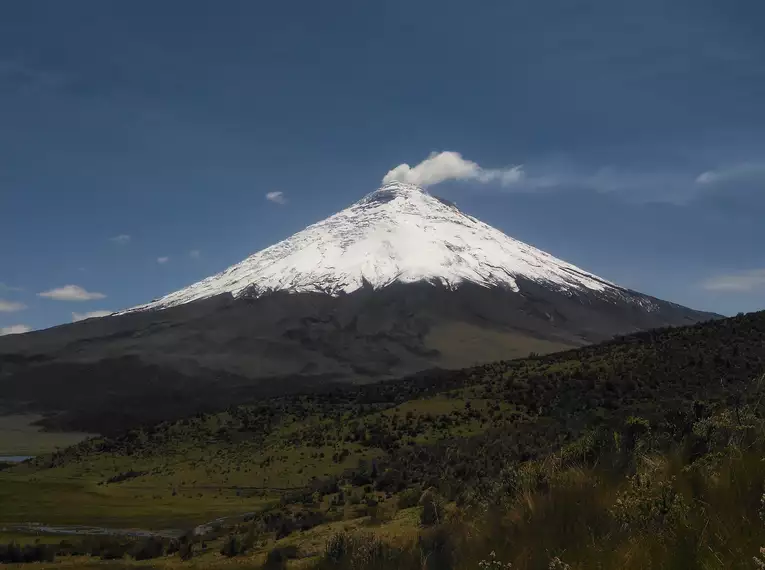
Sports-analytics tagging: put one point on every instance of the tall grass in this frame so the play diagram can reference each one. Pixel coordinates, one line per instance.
(649, 509)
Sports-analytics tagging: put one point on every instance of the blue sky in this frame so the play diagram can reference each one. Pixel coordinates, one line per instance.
(638, 129)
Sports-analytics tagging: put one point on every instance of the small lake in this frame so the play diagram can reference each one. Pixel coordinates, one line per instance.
(15, 458)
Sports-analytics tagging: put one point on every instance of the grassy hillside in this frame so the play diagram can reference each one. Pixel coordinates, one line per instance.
(644, 452)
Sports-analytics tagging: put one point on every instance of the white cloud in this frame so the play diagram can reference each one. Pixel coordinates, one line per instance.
(71, 293)
(559, 173)
(543, 176)
(736, 173)
(14, 329)
(442, 166)
(163, 260)
(276, 197)
(740, 282)
(708, 177)
(195, 254)
(90, 315)
(11, 306)
(122, 239)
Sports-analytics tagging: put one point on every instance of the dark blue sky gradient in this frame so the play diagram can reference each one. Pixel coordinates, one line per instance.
(169, 121)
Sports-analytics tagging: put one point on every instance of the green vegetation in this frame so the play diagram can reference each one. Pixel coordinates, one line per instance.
(454, 340)
(60, 501)
(19, 435)
(644, 452)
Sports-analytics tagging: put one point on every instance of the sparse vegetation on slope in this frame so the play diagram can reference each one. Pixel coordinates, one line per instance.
(644, 452)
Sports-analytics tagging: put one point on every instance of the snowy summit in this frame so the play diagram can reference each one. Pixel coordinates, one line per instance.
(399, 233)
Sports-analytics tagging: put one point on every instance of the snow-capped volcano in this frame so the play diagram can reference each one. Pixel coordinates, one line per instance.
(397, 283)
(399, 233)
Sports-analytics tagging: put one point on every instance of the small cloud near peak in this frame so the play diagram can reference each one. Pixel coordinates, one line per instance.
(162, 260)
(276, 197)
(122, 239)
(448, 165)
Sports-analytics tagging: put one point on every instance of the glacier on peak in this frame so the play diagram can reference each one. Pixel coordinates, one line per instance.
(398, 233)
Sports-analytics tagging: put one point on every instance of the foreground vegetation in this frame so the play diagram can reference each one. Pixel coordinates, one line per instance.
(645, 452)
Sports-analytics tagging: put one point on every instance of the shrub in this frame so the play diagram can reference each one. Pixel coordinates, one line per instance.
(38, 553)
(491, 563)
(278, 557)
(355, 498)
(368, 551)
(432, 509)
(173, 546)
(113, 552)
(13, 553)
(359, 552)
(649, 504)
(558, 564)
(760, 561)
(284, 529)
(637, 432)
(183, 545)
(124, 476)
(107, 548)
(147, 549)
(186, 550)
(337, 547)
(436, 548)
(409, 498)
(10, 553)
(232, 546)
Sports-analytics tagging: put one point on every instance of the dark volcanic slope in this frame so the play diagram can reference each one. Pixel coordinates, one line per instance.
(221, 350)
(366, 333)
